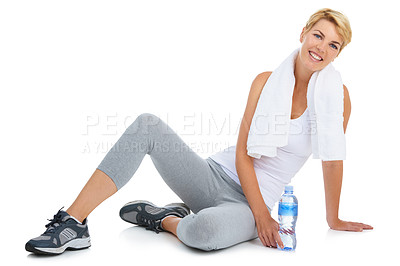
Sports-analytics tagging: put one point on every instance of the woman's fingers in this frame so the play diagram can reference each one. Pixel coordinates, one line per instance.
(278, 240)
(350, 226)
(261, 237)
(358, 227)
(266, 240)
(368, 227)
(268, 232)
(365, 226)
(269, 241)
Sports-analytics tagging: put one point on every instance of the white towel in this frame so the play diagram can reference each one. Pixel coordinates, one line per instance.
(271, 121)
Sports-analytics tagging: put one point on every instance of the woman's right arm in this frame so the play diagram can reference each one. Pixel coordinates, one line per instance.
(267, 227)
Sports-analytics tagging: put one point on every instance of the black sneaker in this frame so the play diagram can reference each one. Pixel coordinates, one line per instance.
(63, 232)
(146, 214)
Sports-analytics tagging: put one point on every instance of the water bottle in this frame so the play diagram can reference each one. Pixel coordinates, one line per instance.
(287, 215)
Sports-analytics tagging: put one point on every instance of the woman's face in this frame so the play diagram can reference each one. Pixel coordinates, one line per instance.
(320, 45)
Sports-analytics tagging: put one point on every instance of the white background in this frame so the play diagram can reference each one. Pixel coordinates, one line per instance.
(65, 65)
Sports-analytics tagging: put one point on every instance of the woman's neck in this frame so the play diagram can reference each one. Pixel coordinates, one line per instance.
(301, 74)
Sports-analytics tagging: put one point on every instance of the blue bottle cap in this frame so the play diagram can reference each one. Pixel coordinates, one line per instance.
(288, 189)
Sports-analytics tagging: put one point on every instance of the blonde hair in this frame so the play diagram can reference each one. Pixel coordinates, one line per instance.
(340, 20)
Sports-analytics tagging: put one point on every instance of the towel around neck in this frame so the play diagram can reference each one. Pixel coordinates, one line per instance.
(325, 99)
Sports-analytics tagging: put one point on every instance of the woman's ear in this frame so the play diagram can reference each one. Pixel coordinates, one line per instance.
(302, 35)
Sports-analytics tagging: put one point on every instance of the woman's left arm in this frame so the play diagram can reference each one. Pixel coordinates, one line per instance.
(333, 175)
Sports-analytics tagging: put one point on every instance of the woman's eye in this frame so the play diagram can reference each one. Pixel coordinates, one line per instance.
(334, 46)
(319, 37)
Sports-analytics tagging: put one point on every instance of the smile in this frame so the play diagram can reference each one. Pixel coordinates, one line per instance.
(315, 57)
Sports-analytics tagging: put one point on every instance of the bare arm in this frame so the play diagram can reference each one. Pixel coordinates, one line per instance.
(244, 162)
(333, 175)
(266, 226)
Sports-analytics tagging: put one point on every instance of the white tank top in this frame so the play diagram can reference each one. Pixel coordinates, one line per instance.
(273, 173)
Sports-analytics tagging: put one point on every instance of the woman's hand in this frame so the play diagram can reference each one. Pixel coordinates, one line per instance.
(267, 229)
(349, 226)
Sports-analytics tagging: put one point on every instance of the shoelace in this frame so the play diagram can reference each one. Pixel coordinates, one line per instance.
(56, 221)
(150, 224)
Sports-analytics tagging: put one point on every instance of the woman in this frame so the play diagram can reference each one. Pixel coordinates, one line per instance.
(228, 204)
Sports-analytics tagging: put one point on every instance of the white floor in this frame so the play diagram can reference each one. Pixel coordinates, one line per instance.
(123, 244)
(115, 241)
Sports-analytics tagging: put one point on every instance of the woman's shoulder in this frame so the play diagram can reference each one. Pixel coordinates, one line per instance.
(261, 79)
(264, 75)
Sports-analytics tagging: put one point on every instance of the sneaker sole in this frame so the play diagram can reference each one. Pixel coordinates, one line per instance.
(75, 244)
(131, 206)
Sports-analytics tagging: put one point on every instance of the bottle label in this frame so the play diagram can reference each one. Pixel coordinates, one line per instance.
(287, 209)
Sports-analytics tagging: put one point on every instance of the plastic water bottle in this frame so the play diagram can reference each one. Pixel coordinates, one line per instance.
(287, 215)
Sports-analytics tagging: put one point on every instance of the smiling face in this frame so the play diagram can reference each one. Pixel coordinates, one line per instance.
(320, 45)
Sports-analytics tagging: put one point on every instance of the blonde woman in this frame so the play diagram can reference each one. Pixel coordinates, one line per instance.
(231, 194)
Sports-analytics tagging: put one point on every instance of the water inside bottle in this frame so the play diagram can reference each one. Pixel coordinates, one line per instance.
(287, 214)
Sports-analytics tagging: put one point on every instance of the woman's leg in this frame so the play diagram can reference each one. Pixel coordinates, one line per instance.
(170, 224)
(217, 227)
(186, 173)
(97, 189)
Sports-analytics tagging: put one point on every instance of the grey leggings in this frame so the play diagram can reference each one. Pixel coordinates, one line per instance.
(222, 216)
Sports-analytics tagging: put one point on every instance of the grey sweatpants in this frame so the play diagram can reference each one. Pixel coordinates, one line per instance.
(222, 216)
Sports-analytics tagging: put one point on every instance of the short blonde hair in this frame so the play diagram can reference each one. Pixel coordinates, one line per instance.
(340, 20)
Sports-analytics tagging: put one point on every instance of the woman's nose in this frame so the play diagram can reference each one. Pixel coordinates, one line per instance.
(321, 47)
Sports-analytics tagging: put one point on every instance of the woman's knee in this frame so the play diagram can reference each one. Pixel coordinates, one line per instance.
(148, 122)
(199, 231)
(145, 123)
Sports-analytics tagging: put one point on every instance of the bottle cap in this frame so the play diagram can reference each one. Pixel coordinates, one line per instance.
(288, 189)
